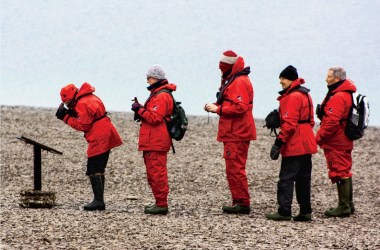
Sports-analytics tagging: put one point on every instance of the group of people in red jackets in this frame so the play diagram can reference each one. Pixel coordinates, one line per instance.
(296, 142)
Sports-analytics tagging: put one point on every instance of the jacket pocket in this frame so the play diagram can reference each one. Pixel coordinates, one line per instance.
(144, 138)
(150, 155)
(225, 126)
(230, 151)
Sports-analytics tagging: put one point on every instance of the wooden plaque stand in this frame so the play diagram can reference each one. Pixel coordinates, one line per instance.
(36, 198)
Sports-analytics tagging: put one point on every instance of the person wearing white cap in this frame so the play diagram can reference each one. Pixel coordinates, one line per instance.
(237, 128)
(154, 138)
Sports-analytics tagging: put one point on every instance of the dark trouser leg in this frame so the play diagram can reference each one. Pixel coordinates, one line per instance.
(303, 184)
(285, 185)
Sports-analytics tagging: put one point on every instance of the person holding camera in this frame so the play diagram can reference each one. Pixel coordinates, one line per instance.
(86, 113)
(236, 126)
(296, 143)
(154, 138)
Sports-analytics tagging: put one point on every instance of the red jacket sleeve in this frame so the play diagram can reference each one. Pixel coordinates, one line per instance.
(83, 121)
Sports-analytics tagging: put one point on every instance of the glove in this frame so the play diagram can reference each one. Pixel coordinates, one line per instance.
(136, 106)
(275, 152)
(318, 111)
(276, 148)
(72, 113)
(61, 112)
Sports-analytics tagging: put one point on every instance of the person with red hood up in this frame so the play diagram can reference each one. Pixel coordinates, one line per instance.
(333, 113)
(154, 138)
(296, 143)
(86, 113)
(236, 127)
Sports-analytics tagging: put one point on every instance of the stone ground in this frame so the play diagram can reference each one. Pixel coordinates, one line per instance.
(198, 189)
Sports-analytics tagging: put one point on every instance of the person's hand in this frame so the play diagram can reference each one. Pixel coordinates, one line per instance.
(210, 107)
(136, 106)
(61, 112)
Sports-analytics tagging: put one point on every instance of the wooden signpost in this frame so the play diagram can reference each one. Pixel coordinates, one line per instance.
(36, 198)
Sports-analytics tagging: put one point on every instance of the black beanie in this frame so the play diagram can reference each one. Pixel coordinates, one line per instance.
(289, 73)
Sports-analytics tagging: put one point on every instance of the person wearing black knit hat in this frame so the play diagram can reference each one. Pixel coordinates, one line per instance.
(289, 73)
(296, 143)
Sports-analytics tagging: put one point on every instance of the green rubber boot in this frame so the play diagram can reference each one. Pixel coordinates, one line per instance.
(302, 217)
(277, 216)
(236, 209)
(155, 210)
(343, 209)
(350, 198)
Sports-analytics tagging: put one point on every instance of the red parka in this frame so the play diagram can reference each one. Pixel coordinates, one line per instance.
(236, 121)
(336, 111)
(296, 108)
(154, 135)
(90, 117)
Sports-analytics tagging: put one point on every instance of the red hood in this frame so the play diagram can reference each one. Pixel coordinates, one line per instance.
(169, 86)
(347, 85)
(85, 89)
(297, 82)
(238, 66)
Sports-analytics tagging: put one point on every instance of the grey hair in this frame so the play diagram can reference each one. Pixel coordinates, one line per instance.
(339, 72)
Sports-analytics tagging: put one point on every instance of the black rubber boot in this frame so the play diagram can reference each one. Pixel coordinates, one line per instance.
(97, 188)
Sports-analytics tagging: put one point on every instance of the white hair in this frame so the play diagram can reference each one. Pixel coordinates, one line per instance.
(339, 72)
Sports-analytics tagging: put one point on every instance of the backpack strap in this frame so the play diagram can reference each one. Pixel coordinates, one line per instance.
(306, 92)
(308, 120)
(327, 98)
(174, 102)
(229, 81)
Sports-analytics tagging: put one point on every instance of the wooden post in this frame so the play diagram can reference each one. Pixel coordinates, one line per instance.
(37, 167)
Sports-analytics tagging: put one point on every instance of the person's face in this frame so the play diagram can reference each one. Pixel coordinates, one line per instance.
(285, 83)
(330, 78)
(151, 80)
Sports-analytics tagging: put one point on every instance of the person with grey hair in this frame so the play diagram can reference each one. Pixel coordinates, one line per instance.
(154, 138)
(334, 113)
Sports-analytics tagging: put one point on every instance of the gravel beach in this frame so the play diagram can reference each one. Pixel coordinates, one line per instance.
(198, 189)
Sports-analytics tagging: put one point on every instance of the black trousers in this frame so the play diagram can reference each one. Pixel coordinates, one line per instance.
(294, 169)
(97, 163)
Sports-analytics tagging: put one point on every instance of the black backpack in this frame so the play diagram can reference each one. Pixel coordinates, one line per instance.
(358, 118)
(177, 125)
(272, 121)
